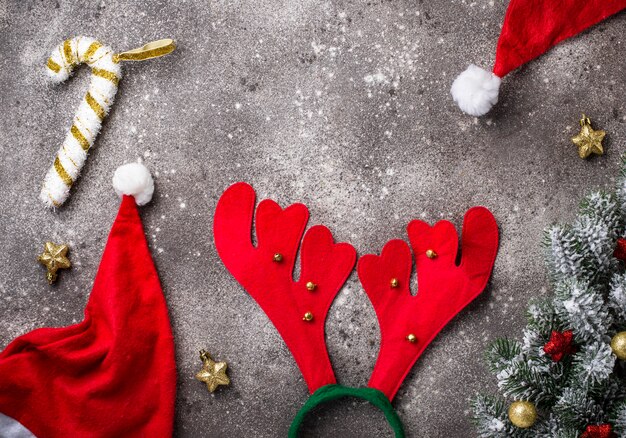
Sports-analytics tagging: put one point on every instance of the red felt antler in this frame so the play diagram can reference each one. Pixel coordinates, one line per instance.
(298, 309)
(409, 323)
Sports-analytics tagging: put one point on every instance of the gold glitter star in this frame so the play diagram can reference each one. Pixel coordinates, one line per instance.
(588, 141)
(54, 258)
(212, 373)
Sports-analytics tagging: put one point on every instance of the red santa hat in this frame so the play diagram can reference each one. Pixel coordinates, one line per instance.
(531, 28)
(113, 374)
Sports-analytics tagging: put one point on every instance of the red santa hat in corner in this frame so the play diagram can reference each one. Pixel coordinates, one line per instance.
(531, 28)
(112, 375)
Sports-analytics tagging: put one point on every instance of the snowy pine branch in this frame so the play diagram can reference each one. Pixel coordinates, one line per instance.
(523, 381)
(617, 300)
(490, 417)
(576, 409)
(579, 383)
(581, 307)
(618, 418)
(584, 251)
(541, 316)
(501, 354)
(593, 365)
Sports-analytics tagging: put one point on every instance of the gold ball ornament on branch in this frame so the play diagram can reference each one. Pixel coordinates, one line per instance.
(618, 345)
(522, 414)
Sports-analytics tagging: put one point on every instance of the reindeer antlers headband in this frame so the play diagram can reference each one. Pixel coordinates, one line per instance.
(298, 309)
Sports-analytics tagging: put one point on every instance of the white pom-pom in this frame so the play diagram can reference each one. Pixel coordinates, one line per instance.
(134, 179)
(476, 90)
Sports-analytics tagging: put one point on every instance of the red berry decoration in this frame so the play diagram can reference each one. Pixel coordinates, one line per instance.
(598, 431)
(559, 345)
(620, 249)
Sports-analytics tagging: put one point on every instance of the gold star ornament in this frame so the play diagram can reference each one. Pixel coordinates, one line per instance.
(54, 257)
(212, 373)
(588, 141)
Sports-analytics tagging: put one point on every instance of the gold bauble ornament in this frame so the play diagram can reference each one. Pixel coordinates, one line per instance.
(212, 373)
(278, 257)
(54, 257)
(588, 140)
(308, 317)
(618, 345)
(394, 283)
(431, 254)
(522, 414)
(310, 286)
(411, 338)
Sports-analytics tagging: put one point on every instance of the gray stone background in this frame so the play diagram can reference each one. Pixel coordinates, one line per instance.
(342, 105)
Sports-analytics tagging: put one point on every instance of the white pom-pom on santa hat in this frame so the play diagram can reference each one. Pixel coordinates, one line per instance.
(134, 179)
(530, 29)
(476, 90)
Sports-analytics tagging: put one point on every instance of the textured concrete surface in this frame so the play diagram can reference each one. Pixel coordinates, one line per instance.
(342, 105)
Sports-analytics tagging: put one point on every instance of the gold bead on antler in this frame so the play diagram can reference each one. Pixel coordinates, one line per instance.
(411, 338)
(310, 286)
(278, 257)
(394, 282)
(431, 254)
(308, 316)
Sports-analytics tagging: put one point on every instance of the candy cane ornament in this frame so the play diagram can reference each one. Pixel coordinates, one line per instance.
(106, 72)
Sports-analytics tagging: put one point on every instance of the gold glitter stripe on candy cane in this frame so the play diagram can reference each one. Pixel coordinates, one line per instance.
(67, 155)
(95, 106)
(83, 126)
(67, 179)
(106, 75)
(102, 96)
(67, 51)
(62, 57)
(93, 48)
(77, 53)
(104, 54)
(53, 66)
(80, 138)
(55, 203)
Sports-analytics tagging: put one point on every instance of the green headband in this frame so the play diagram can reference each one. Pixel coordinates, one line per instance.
(334, 392)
